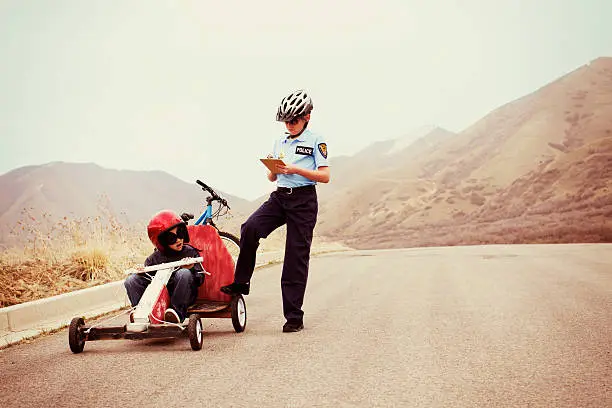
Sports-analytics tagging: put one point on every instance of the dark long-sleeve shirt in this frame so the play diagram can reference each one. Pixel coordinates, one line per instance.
(158, 257)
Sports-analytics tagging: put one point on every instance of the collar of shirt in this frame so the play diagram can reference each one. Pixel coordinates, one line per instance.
(300, 138)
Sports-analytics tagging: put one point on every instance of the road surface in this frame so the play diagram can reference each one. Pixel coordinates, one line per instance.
(496, 326)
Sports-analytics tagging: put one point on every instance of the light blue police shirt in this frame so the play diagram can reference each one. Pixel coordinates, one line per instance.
(308, 151)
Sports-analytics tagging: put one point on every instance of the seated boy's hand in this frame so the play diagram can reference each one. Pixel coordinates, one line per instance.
(187, 266)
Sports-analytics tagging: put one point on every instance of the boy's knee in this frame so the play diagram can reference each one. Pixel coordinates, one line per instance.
(246, 226)
(129, 281)
(249, 230)
(183, 275)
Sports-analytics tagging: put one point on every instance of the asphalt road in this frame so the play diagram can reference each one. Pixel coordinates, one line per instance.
(497, 326)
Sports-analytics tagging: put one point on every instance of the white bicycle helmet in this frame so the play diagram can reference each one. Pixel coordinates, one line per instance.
(293, 106)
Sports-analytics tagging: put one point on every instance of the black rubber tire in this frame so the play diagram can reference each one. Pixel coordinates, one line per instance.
(75, 335)
(238, 300)
(195, 331)
(232, 243)
(229, 236)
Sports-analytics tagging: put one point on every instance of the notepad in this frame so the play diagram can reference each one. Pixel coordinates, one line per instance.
(272, 163)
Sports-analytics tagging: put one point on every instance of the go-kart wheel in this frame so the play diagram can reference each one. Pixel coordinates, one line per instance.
(239, 314)
(76, 338)
(195, 331)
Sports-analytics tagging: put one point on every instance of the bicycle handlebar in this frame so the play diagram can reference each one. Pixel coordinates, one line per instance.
(212, 192)
(206, 188)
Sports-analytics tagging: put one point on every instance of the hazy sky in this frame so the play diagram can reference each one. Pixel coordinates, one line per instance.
(192, 87)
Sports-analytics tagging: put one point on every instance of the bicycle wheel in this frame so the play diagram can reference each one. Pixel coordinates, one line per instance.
(231, 243)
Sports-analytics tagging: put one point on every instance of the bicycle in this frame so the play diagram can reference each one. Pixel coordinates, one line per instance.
(231, 242)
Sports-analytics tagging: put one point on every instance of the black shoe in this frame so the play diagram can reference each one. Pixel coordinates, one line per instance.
(171, 316)
(236, 288)
(293, 326)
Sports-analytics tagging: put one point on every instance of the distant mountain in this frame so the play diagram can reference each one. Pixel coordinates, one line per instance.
(87, 190)
(358, 181)
(348, 171)
(534, 170)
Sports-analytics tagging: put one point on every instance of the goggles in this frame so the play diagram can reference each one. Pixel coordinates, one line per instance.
(168, 238)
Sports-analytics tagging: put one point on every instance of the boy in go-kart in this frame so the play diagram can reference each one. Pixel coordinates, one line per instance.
(168, 232)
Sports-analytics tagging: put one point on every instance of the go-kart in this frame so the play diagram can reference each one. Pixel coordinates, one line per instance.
(146, 319)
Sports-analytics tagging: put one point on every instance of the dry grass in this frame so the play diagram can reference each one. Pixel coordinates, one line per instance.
(76, 253)
(66, 255)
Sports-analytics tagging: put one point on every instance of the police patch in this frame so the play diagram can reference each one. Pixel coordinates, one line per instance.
(307, 151)
(323, 149)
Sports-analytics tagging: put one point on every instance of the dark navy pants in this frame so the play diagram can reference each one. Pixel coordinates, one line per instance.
(298, 209)
(182, 287)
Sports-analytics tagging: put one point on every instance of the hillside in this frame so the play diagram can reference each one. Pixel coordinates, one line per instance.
(43, 195)
(348, 171)
(545, 158)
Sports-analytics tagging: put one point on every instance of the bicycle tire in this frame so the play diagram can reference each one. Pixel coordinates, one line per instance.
(232, 243)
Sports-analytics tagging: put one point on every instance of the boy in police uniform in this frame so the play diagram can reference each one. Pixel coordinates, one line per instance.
(293, 203)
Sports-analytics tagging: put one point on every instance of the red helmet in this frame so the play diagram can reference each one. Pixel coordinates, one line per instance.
(161, 222)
